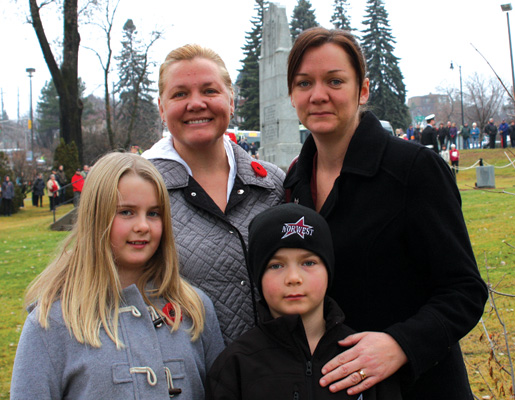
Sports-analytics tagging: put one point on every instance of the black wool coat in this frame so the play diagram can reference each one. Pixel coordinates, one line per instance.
(404, 262)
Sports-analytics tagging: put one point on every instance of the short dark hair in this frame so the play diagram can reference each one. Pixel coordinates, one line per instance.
(318, 36)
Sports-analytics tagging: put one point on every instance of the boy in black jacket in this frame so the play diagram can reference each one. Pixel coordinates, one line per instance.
(291, 260)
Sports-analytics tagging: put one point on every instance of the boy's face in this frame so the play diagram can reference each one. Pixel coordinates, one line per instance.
(295, 282)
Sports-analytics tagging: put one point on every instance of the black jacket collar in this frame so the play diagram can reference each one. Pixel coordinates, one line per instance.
(284, 329)
(363, 157)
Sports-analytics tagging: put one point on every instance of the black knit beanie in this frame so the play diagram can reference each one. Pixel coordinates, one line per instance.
(288, 226)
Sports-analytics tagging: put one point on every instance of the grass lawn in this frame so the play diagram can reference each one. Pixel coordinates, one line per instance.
(27, 245)
(490, 218)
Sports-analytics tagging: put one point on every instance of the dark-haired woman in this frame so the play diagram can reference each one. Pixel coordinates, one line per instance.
(388, 203)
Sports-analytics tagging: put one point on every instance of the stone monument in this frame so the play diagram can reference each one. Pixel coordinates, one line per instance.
(280, 136)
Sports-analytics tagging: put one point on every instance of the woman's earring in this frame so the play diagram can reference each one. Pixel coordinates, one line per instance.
(163, 124)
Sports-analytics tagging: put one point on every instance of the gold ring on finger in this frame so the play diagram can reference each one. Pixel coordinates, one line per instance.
(362, 374)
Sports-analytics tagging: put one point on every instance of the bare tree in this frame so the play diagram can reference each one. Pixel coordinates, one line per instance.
(93, 126)
(446, 110)
(485, 99)
(12, 134)
(65, 76)
(106, 25)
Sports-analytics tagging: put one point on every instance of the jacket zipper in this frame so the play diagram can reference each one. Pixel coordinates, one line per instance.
(309, 368)
(309, 372)
(309, 376)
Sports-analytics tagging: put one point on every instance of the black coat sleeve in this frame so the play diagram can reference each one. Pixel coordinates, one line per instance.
(223, 378)
(439, 241)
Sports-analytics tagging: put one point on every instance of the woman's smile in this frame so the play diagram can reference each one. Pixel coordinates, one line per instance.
(195, 104)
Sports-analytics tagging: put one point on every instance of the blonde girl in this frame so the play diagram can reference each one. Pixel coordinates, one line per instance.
(110, 317)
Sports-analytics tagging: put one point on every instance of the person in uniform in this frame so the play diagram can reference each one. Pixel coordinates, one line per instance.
(428, 137)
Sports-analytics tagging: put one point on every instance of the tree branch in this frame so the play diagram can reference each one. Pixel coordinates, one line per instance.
(507, 91)
(43, 41)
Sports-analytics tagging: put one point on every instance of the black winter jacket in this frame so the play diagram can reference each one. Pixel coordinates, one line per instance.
(39, 187)
(404, 262)
(273, 362)
(491, 129)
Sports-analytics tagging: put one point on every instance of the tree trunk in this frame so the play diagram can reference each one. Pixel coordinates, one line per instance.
(65, 78)
(108, 28)
(107, 103)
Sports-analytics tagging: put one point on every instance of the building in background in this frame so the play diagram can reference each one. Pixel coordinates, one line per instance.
(420, 106)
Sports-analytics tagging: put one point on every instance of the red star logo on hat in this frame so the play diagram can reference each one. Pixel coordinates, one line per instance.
(299, 228)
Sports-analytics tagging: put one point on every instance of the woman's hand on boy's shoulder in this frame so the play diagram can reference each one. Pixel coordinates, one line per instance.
(373, 357)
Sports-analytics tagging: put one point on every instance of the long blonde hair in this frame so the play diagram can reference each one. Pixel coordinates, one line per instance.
(84, 275)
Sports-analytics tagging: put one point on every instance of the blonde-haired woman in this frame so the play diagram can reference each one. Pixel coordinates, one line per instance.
(215, 187)
(110, 316)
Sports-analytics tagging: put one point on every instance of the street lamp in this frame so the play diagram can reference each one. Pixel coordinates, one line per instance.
(30, 71)
(507, 8)
(461, 94)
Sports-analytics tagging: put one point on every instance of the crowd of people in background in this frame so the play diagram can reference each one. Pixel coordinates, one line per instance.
(250, 148)
(54, 185)
(446, 139)
(55, 182)
(471, 136)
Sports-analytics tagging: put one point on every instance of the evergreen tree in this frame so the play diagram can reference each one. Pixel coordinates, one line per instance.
(248, 80)
(47, 116)
(136, 112)
(387, 90)
(303, 18)
(339, 19)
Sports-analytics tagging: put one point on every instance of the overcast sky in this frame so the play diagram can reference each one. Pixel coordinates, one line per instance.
(429, 35)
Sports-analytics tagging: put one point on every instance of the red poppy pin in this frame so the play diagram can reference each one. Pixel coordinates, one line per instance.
(169, 311)
(258, 169)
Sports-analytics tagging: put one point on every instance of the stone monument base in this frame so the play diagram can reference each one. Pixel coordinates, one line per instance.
(282, 154)
(485, 177)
